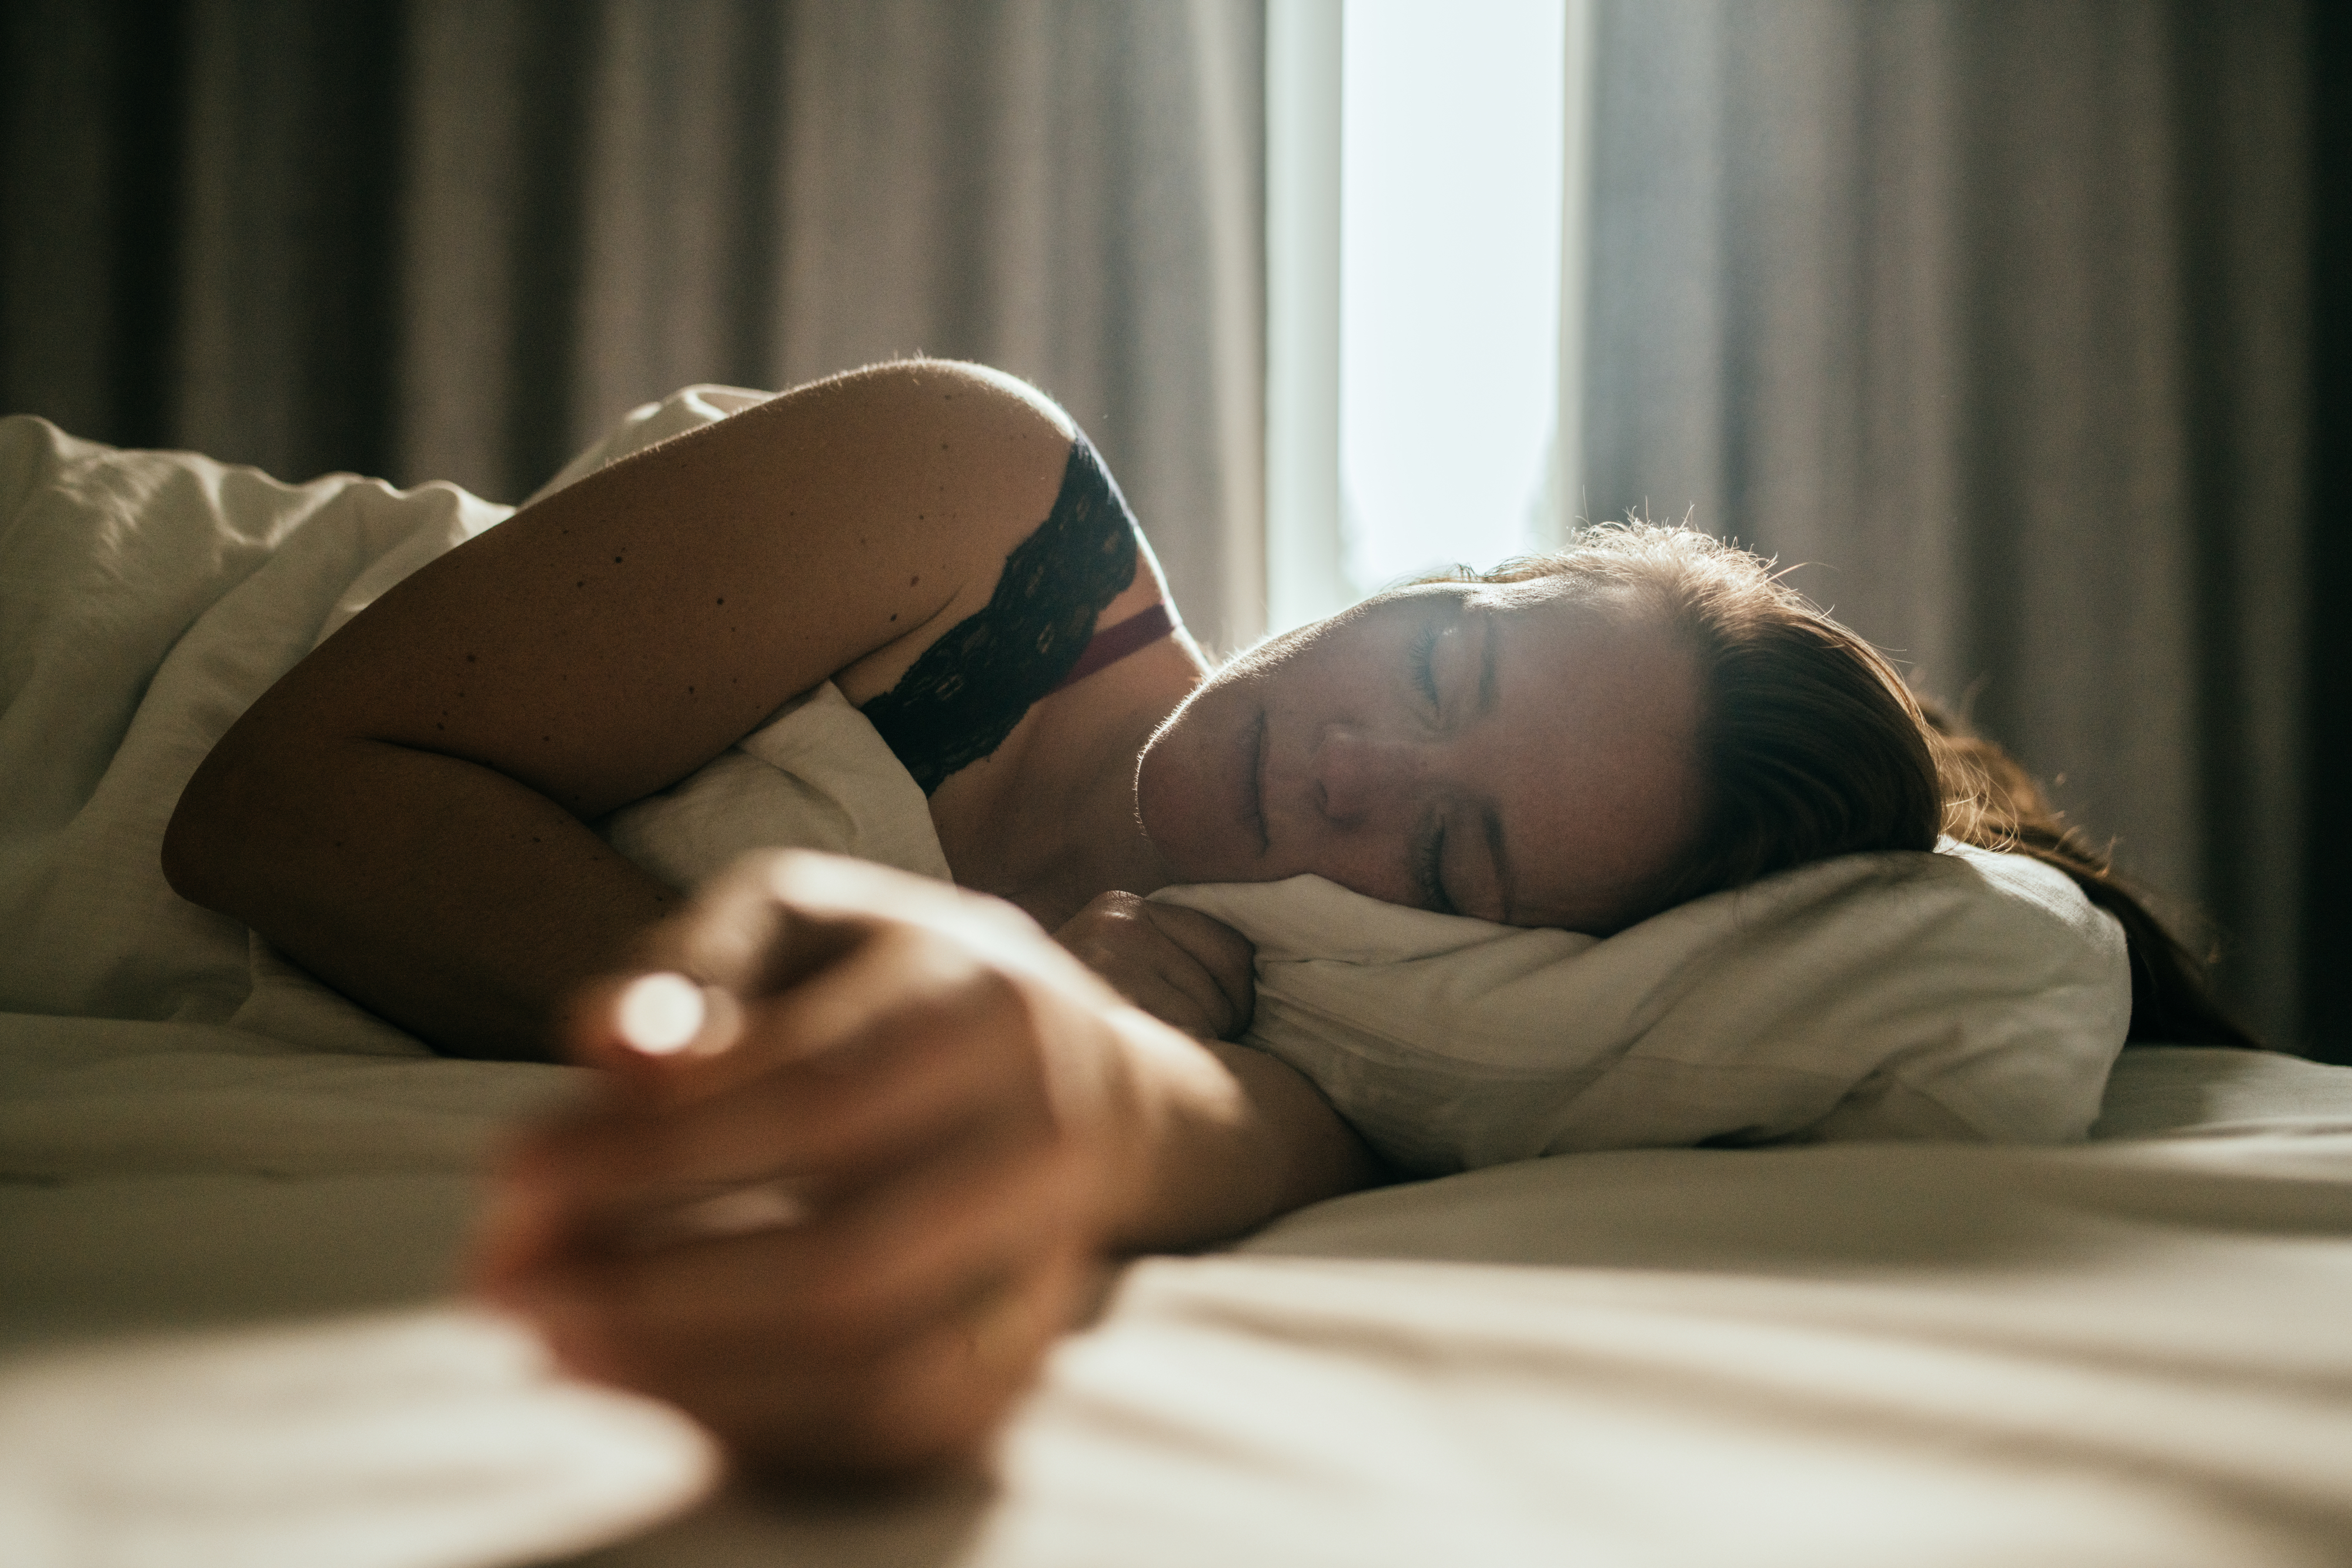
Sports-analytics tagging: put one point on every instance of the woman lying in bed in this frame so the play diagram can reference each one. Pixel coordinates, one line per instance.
(969, 1116)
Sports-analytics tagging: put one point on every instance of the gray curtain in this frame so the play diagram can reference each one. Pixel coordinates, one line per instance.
(448, 239)
(1998, 310)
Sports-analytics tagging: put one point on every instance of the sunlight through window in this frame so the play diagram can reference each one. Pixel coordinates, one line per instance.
(1415, 330)
(1449, 282)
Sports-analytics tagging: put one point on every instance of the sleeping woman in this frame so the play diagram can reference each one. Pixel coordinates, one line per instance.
(864, 1136)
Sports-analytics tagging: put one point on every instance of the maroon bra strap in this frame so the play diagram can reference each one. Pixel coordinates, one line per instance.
(1112, 644)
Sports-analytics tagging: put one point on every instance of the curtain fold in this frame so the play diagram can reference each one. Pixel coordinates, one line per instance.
(441, 239)
(1997, 308)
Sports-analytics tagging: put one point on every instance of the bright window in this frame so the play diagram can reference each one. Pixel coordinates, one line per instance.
(1422, 156)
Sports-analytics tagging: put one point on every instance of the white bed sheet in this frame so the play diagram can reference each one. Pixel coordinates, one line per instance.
(2133, 1351)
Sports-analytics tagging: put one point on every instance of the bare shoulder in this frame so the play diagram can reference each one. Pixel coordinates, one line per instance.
(607, 641)
(948, 398)
(935, 447)
(917, 454)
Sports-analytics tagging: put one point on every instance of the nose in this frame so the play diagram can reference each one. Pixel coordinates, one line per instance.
(1363, 777)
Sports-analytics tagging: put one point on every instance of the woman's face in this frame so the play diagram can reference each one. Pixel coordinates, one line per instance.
(1520, 752)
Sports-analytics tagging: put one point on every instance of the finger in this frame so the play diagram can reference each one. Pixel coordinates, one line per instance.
(1214, 1005)
(659, 1014)
(742, 935)
(821, 886)
(1105, 913)
(1226, 955)
(1179, 996)
(1166, 979)
(1163, 980)
(630, 1023)
(773, 922)
(732, 941)
(520, 1232)
(1116, 936)
(940, 1399)
(670, 1041)
(933, 1401)
(912, 1253)
(534, 1230)
(926, 1066)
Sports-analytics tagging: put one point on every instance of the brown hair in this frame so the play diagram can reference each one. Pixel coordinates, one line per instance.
(1810, 745)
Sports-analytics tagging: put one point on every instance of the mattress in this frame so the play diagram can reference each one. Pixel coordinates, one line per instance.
(2128, 1351)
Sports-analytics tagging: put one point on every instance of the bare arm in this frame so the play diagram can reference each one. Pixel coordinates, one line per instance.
(974, 1117)
(843, 1228)
(406, 811)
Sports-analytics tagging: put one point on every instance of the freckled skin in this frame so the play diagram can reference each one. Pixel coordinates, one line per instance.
(430, 854)
(1584, 759)
(581, 714)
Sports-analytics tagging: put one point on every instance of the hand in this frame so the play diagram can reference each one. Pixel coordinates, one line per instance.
(837, 1202)
(1190, 972)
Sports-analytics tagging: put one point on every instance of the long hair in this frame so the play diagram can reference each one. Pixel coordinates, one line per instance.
(1812, 744)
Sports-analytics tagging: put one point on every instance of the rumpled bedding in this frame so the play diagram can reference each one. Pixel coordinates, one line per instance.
(146, 598)
(1959, 995)
(151, 597)
(230, 1205)
(2130, 1352)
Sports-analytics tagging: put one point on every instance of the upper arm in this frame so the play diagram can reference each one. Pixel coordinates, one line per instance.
(608, 641)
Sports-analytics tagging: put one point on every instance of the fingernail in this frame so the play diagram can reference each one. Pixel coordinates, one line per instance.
(659, 1014)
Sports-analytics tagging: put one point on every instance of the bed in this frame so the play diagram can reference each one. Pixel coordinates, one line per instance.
(234, 1204)
(2128, 1352)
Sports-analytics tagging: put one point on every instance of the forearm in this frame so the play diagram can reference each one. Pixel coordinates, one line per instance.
(1230, 1138)
(965, 1116)
(442, 894)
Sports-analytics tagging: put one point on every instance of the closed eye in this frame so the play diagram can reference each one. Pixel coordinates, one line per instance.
(1428, 872)
(1424, 662)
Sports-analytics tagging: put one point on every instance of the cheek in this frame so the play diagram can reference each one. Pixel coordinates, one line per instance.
(1187, 784)
(1169, 778)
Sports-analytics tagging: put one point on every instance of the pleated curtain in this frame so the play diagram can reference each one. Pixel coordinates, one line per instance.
(1991, 319)
(454, 240)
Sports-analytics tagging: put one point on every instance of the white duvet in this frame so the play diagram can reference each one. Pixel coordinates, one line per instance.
(2127, 1352)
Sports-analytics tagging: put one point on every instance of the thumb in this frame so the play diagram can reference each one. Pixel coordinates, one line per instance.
(648, 1026)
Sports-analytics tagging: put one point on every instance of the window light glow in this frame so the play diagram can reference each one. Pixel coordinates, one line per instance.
(1451, 154)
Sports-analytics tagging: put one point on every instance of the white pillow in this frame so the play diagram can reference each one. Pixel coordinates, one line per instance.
(1957, 994)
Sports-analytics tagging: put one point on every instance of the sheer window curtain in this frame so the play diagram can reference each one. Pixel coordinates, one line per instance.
(2000, 311)
(440, 239)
